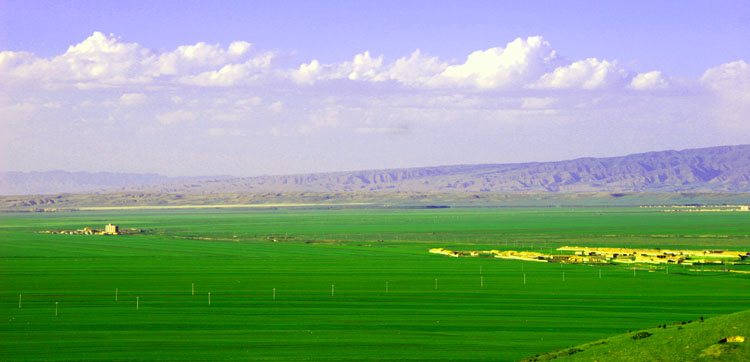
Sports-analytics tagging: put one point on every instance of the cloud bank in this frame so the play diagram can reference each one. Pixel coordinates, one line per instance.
(525, 63)
(517, 101)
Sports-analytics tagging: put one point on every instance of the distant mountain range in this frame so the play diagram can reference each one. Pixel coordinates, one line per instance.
(725, 168)
(714, 169)
(53, 182)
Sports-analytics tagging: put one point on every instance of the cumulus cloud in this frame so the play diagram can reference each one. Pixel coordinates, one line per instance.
(97, 57)
(503, 93)
(307, 73)
(730, 83)
(529, 63)
(105, 61)
(10, 60)
(591, 73)
(520, 61)
(649, 81)
(362, 68)
(729, 76)
(232, 74)
(417, 69)
(191, 58)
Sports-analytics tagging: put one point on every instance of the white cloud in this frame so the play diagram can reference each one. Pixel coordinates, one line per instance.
(522, 64)
(307, 73)
(728, 77)
(102, 61)
(591, 73)
(277, 106)
(10, 60)
(176, 117)
(201, 56)
(362, 68)
(105, 61)
(232, 74)
(520, 61)
(730, 83)
(417, 69)
(521, 93)
(239, 48)
(133, 99)
(98, 57)
(649, 81)
(328, 117)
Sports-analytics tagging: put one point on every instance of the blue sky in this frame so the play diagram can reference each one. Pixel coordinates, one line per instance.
(248, 88)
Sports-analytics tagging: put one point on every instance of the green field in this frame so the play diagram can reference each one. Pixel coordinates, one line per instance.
(470, 316)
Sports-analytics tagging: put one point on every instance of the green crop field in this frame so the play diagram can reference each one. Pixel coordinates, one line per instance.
(329, 272)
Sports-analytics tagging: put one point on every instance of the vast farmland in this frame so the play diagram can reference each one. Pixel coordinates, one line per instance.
(345, 284)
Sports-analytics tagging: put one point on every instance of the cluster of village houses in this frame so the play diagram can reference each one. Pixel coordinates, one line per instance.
(610, 255)
(699, 207)
(109, 229)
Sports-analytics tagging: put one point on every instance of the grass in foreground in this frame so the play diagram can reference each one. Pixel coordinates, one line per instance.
(685, 341)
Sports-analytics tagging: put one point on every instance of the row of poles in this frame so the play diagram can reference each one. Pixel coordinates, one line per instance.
(333, 289)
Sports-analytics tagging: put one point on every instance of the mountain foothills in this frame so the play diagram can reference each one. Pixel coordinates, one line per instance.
(714, 169)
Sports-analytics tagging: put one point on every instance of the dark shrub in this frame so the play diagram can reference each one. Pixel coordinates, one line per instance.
(641, 335)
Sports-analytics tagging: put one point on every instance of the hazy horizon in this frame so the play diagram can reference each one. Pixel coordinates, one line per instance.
(191, 88)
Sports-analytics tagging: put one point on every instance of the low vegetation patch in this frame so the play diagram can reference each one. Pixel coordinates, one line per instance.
(682, 341)
(641, 335)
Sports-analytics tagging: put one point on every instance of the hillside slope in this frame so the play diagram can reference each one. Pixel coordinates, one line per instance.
(691, 341)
